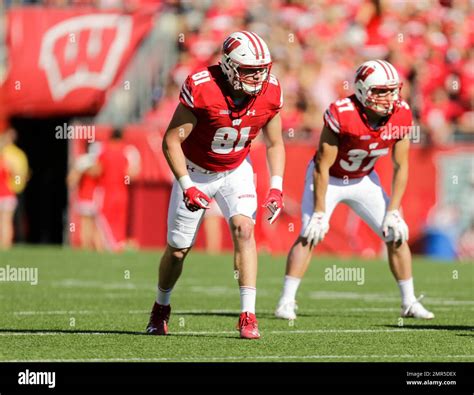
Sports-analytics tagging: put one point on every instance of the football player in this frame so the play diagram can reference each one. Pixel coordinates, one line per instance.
(222, 109)
(357, 131)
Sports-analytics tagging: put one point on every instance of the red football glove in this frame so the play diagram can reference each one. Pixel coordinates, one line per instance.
(194, 199)
(274, 202)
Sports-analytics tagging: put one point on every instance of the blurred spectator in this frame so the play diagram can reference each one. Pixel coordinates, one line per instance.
(13, 179)
(164, 106)
(442, 231)
(466, 244)
(439, 114)
(81, 179)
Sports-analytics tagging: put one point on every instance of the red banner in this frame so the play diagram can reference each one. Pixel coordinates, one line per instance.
(63, 61)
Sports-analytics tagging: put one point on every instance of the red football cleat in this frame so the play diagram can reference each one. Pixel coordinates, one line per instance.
(248, 326)
(159, 318)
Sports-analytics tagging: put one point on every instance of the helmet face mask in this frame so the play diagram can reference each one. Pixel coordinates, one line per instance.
(246, 62)
(252, 79)
(377, 87)
(383, 99)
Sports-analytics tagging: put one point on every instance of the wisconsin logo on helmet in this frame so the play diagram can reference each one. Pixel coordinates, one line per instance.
(230, 44)
(84, 58)
(363, 72)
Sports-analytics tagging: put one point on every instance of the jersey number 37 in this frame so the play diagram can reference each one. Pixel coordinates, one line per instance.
(355, 157)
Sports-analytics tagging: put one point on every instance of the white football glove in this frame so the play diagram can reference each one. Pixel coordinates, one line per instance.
(393, 220)
(317, 228)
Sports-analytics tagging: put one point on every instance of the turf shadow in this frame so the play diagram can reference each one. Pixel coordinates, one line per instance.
(439, 327)
(111, 332)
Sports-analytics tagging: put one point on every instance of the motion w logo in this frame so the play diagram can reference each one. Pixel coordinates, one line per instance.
(84, 52)
(364, 72)
(230, 44)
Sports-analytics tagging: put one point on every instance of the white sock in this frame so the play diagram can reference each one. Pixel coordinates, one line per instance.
(163, 297)
(290, 287)
(407, 291)
(248, 295)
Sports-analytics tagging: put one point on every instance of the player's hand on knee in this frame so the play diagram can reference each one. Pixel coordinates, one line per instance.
(274, 203)
(394, 221)
(194, 199)
(317, 228)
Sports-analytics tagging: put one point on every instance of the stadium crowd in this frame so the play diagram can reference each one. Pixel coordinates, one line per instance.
(317, 45)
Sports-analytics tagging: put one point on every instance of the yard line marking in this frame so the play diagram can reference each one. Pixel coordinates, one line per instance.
(231, 358)
(56, 312)
(218, 290)
(198, 333)
(75, 283)
(379, 297)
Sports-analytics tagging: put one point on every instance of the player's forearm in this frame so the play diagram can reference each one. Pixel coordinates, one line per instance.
(276, 163)
(175, 157)
(320, 182)
(399, 183)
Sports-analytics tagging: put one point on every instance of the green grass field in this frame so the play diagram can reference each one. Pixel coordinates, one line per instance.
(94, 307)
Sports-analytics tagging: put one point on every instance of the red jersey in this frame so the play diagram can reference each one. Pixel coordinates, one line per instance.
(114, 166)
(360, 145)
(223, 133)
(113, 188)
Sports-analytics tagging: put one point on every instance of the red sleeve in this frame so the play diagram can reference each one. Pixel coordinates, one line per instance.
(331, 118)
(279, 102)
(276, 94)
(186, 95)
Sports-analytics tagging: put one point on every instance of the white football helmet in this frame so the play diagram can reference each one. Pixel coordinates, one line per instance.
(378, 86)
(246, 62)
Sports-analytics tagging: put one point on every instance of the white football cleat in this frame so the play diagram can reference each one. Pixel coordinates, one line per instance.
(416, 310)
(286, 310)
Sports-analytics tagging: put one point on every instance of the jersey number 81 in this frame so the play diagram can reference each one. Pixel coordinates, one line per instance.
(225, 138)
